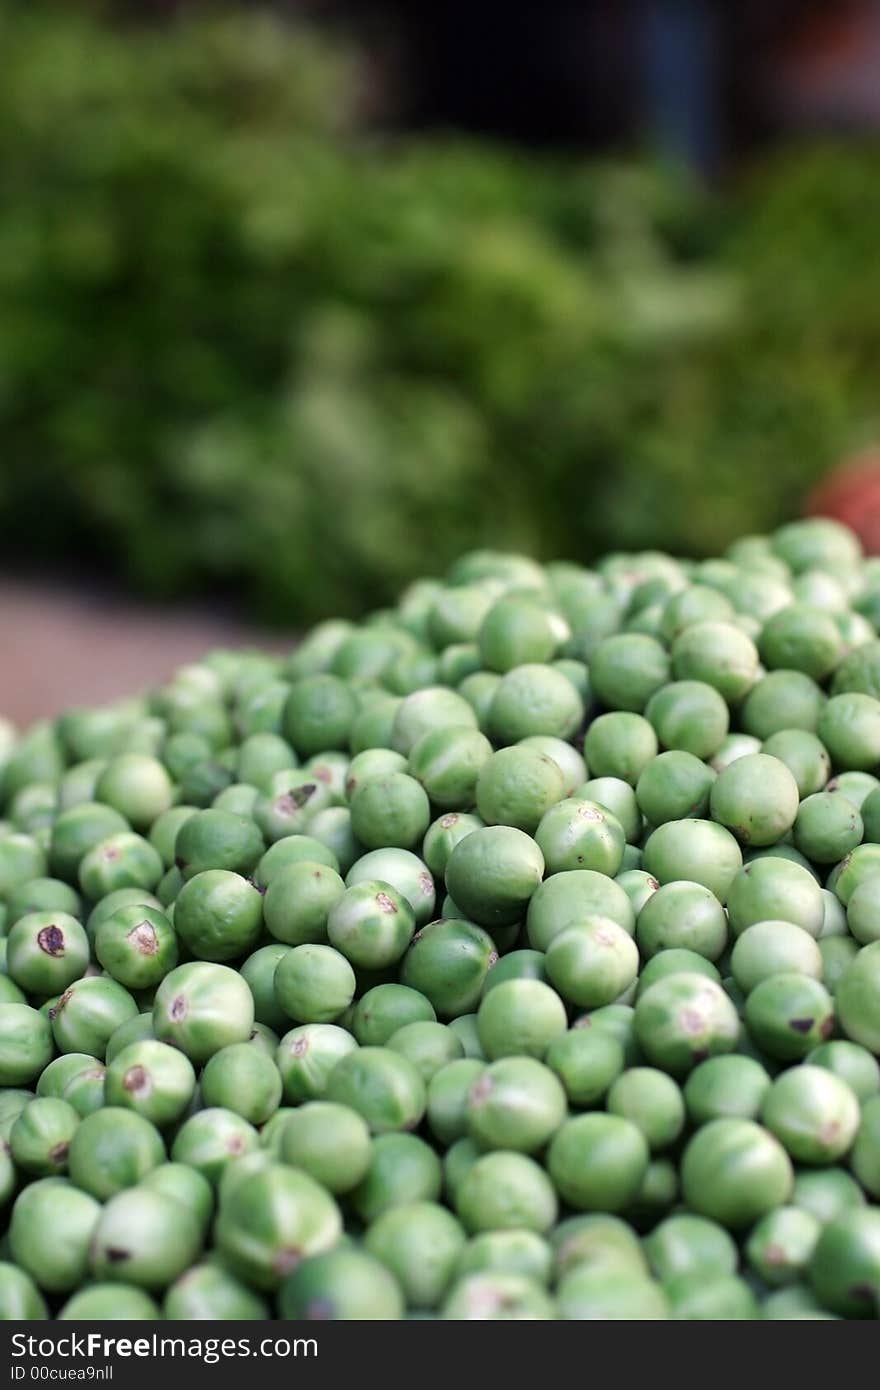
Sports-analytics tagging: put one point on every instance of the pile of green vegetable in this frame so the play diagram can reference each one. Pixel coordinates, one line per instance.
(224, 305)
(514, 954)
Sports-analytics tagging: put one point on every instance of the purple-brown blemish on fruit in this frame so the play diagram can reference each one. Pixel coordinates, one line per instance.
(801, 1025)
(385, 902)
(827, 1027)
(287, 1259)
(235, 1144)
(115, 1255)
(481, 1089)
(178, 1008)
(448, 821)
(58, 1153)
(144, 939)
(426, 883)
(109, 853)
(300, 1047)
(692, 1021)
(51, 940)
(137, 1081)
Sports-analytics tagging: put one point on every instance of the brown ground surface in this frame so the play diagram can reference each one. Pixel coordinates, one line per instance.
(71, 646)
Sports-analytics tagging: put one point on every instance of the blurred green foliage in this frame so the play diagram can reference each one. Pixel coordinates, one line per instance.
(244, 347)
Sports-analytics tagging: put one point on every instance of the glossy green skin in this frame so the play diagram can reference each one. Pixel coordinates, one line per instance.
(163, 832)
(827, 827)
(652, 1101)
(825, 1192)
(314, 983)
(789, 1014)
(514, 632)
(756, 797)
(258, 971)
(592, 963)
(111, 1150)
(685, 1244)
(307, 1055)
(597, 1162)
(346, 1284)
(515, 1104)
(136, 1029)
(587, 1062)
(565, 899)
(109, 1302)
(120, 897)
(443, 835)
(299, 899)
(88, 1013)
(804, 755)
(218, 915)
(505, 1191)
(243, 1079)
(675, 786)
(39, 1140)
(217, 839)
(420, 1244)
(865, 1157)
(694, 1298)
(448, 1095)
(627, 669)
(429, 1046)
(210, 1140)
(733, 1172)
(534, 701)
(517, 786)
(698, 850)
(42, 895)
(689, 716)
(860, 865)
(524, 964)
(390, 811)
(446, 763)
(402, 1168)
(293, 849)
(497, 1297)
(371, 924)
(849, 727)
(52, 1234)
(845, 1265)
(852, 1063)
(330, 1142)
(773, 889)
(857, 998)
(318, 714)
(381, 1085)
(520, 1017)
(144, 1238)
(813, 1113)
(682, 915)
(619, 798)
(801, 638)
(863, 911)
(46, 952)
(717, 653)
(522, 1253)
(771, 948)
(682, 1019)
(449, 962)
(207, 1292)
(780, 1246)
(782, 700)
(201, 1007)
(430, 708)
(136, 945)
(405, 872)
(19, 1297)
(185, 1185)
(620, 744)
(290, 805)
(56, 1076)
(123, 860)
(493, 873)
(76, 831)
(267, 1225)
(579, 834)
(726, 1087)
